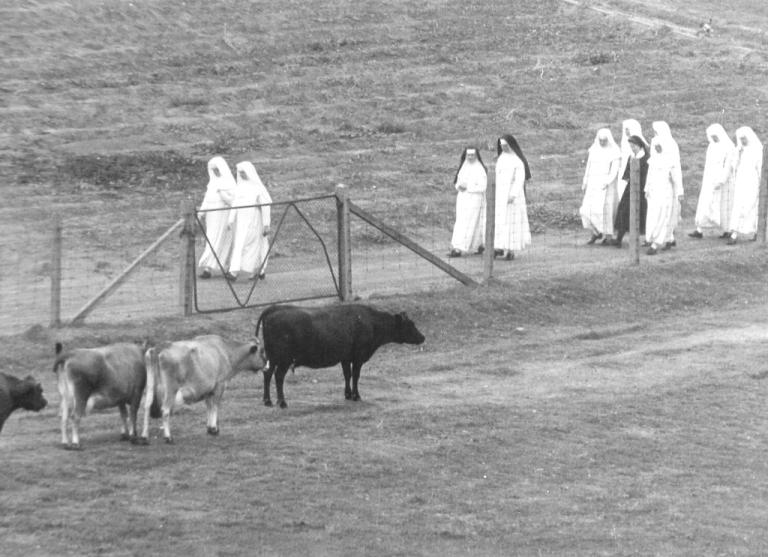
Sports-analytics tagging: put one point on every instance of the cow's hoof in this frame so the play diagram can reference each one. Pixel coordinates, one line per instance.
(213, 430)
(283, 404)
(169, 440)
(125, 437)
(348, 396)
(267, 402)
(140, 441)
(356, 397)
(73, 447)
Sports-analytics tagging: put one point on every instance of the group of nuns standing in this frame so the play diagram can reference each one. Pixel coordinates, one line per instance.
(512, 231)
(236, 214)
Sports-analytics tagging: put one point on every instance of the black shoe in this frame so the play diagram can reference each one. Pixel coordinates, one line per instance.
(696, 234)
(594, 238)
(454, 253)
(651, 251)
(498, 252)
(731, 241)
(606, 242)
(753, 238)
(230, 277)
(666, 246)
(510, 256)
(617, 243)
(480, 250)
(262, 275)
(205, 274)
(725, 235)
(673, 243)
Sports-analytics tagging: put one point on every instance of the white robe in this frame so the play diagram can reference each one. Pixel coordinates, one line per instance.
(218, 195)
(716, 173)
(599, 186)
(747, 171)
(660, 193)
(628, 128)
(250, 246)
(672, 153)
(469, 228)
(512, 231)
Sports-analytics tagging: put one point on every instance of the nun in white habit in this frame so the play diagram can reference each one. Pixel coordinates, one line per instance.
(628, 129)
(599, 186)
(659, 191)
(470, 182)
(746, 179)
(219, 195)
(250, 223)
(661, 129)
(512, 230)
(717, 172)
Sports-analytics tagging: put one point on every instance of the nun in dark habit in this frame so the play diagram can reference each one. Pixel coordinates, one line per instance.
(641, 152)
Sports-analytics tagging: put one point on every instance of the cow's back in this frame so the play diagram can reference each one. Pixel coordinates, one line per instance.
(116, 371)
(201, 361)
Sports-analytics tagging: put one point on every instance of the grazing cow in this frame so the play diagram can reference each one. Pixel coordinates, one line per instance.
(97, 378)
(188, 371)
(323, 337)
(18, 393)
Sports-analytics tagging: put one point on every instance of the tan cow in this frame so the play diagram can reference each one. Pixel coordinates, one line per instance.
(96, 378)
(188, 371)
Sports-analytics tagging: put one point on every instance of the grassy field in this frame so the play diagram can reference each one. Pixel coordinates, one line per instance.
(577, 407)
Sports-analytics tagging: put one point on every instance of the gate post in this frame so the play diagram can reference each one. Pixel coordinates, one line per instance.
(345, 246)
(56, 273)
(634, 210)
(187, 257)
(490, 227)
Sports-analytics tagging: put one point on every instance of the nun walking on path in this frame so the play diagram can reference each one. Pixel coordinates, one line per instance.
(250, 223)
(219, 195)
(512, 232)
(672, 150)
(641, 152)
(660, 188)
(717, 174)
(470, 182)
(599, 186)
(746, 179)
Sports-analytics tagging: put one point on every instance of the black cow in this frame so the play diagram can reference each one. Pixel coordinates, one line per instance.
(19, 393)
(323, 337)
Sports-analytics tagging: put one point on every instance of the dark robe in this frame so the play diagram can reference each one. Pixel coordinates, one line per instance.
(621, 222)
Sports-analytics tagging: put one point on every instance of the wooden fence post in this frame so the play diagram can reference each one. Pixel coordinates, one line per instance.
(490, 227)
(345, 245)
(634, 210)
(187, 258)
(56, 273)
(762, 208)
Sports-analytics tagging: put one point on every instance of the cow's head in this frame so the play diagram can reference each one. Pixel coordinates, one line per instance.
(31, 395)
(255, 361)
(406, 331)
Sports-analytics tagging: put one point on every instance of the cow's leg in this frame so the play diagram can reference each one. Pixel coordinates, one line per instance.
(133, 417)
(149, 399)
(124, 434)
(268, 371)
(80, 399)
(212, 402)
(355, 378)
(169, 397)
(279, 378)
(347, 368)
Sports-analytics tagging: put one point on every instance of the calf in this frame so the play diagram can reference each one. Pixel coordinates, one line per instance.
(97, 378)
(18, 393)
(188, 371)
(322, 337)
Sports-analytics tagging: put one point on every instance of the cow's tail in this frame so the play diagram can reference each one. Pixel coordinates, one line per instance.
(153, 366)
(61, 357)
(258, 324)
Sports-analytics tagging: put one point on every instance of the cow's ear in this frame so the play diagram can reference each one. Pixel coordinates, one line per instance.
(59, 348)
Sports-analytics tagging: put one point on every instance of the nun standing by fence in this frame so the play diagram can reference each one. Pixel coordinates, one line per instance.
(512, 230)
(470, 182)
(250, 224)
(599, 186)
(219, 194)
(746, 179)
(717, 174)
